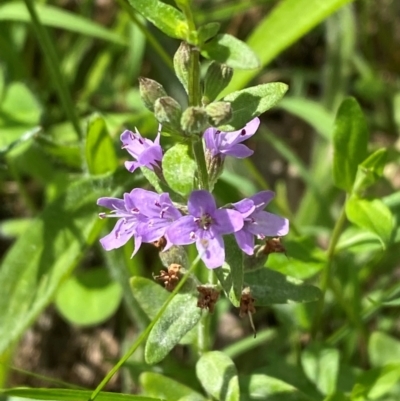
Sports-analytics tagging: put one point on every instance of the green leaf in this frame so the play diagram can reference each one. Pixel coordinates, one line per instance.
(157, 385)
(165, 17)
(372, 215)
(217, 374)
(350, 141)
(226, 49)
(179, 168)
(383, 349)
(92, 288)
(337, 396)
(207, 31)
(376, 382)
(303, 260)
(263, 387)
(370, 170)
(62, 394)
(59, 18)
(288, 21)
(251, 102)
(44, 255)
(100, 153)
(270, 287)
(321, 365)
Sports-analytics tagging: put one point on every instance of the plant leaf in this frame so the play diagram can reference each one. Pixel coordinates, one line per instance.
(100, 154)
(59, 18)
(270, 287)
(350, 141)
(372, 215)
(283, 26)
(383, 349)
(251, 102)
(226, 49)
(217, 374)
(165, 17)
(179, 168)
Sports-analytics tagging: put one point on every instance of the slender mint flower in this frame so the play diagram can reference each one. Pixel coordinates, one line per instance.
(205, 225)
(257, 222)
(229, 143)
(142, 215)
(146, 152)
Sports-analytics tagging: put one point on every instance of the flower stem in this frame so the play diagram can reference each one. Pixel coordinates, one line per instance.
(326, 273)
(143, 335)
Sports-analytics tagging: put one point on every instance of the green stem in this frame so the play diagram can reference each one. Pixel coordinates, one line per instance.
(144, 335)
(199, 157)
(150, 38)
(326, 273)
(51, 58)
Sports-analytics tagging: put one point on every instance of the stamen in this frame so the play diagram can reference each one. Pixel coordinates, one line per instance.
(243, 132)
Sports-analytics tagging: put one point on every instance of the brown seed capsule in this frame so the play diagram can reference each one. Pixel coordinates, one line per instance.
(170, 278)
(208, 297)
(274, 245)
(247, 307)
(160, 243)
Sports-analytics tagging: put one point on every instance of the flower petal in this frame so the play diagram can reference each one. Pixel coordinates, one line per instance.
(111, 203)
(201, 202)
(182, 231)
(131, 166)
(227, 221)
(245, 241)
(119, 236)
(268, 224)
(211, 250)
(239, 150)
(262, 199)
(209, 137)
(245, 207)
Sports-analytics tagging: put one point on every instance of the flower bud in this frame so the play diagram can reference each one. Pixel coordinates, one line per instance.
(215, 167)
(257, 260)
(217, 78)
(168, 111)
(181, 64)
(150, 91)
(219, 113)
(194, 120)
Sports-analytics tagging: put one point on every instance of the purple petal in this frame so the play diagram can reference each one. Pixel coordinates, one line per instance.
(119, 236)
(245, 133)
(245, 207)
(150, 156)
(262, 199)
(209, 139)
(153, 229)
(201, 202)
(239, 150)
(245, 240)
(268, 224)
(182, 231)
(111, 203)
(211, 250)
(131, 166)
(227, 221)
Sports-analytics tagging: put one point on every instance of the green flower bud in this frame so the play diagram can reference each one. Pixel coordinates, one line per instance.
(194, 120)
(219, 113)
(257, 260)
(150, 91)
(217, 78)
(181, 64)
(168, 111)
(215, 167)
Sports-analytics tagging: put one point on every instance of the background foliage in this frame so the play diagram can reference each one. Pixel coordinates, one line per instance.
(330, 149)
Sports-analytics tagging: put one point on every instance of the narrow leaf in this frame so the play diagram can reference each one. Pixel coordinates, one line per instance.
(226, 49)
(100, 154)
(270, 287)
(62, 394)
(251, 102)
(217, 374)
(372, 215)
(350, 141)
(165, 17)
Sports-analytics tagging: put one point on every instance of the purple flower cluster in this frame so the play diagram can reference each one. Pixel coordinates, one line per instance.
(147, 216)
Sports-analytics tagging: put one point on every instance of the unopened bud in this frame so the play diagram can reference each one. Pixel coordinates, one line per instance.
(217, 78)
(215, 167)
(219, 113)
(181, 64)
(150, 91)
(168, 111)
(257, 260)
(194, 120)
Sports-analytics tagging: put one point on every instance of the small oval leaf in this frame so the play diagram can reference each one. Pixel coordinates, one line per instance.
(251, 102)
(229, 50)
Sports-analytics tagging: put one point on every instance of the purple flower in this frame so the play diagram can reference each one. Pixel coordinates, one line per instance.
(142, 214)
(146, 152)
(257, 222)
(229, 143)
(205, 225)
